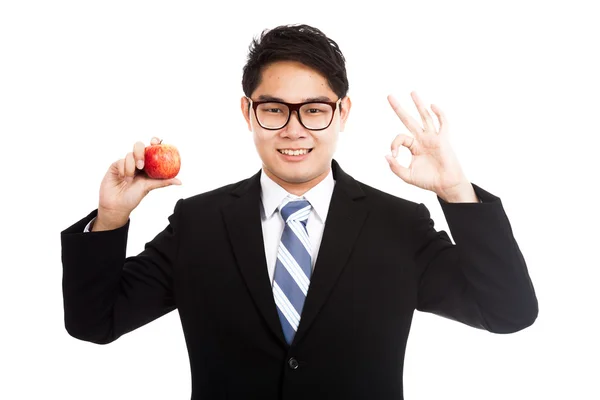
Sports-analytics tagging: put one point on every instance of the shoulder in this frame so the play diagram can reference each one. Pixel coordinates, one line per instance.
(211, 201)
(385, 209)
(378, 199)
(394, 214)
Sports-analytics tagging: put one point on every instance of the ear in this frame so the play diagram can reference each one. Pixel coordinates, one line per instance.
(345, 106)
(245, 106)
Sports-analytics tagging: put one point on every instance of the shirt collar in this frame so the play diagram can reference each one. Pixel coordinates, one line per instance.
(272, 195)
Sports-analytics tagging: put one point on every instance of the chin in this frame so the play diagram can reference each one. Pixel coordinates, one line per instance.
(296, 177)
(291, 174)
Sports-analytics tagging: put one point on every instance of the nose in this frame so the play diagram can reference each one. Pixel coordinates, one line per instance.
(294, 128)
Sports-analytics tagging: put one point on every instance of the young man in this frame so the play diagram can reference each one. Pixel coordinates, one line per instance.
(299, 282)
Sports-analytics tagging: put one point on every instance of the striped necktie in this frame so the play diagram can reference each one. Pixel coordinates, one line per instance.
(293, 266)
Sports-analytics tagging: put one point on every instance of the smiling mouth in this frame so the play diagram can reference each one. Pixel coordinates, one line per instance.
(299, 152)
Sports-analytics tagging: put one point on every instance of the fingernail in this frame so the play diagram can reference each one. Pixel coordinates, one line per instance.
(394, 153)
(140, 164)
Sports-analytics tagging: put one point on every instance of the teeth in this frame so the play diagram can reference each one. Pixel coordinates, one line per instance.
(294, 152)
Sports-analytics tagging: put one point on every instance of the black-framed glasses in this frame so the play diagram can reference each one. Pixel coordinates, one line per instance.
(313, 115)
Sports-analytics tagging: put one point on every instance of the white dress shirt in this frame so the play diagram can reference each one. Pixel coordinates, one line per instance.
(271, 196)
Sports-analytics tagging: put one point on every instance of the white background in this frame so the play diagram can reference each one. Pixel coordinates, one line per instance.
(81, 81)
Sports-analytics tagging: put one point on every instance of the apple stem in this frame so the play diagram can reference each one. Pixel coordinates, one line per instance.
(160, 141)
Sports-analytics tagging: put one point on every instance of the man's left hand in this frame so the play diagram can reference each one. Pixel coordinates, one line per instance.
(434, 166)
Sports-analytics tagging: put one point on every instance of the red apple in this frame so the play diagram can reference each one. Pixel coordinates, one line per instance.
(161, 161)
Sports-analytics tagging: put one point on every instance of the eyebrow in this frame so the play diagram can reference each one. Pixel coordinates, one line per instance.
(266, 97)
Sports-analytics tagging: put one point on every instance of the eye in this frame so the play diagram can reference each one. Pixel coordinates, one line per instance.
(313, 111)
(273, 110)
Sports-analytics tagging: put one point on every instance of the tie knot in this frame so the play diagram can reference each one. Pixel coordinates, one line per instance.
(295, 210)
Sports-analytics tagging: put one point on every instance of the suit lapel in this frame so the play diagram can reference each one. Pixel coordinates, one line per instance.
(242, 219)
(345, 219)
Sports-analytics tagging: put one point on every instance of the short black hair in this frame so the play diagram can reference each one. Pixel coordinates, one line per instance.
(300, 43)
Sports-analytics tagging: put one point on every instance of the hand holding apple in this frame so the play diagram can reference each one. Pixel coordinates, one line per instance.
(125, 184)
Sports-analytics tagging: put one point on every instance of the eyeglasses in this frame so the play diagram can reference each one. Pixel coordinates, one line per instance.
(313, 115)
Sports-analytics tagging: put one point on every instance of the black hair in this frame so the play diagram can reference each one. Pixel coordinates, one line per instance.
(300, 43)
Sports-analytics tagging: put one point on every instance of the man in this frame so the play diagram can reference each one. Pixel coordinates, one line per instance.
(299, 282)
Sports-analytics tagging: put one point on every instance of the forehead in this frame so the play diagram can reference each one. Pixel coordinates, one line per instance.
(293, 82)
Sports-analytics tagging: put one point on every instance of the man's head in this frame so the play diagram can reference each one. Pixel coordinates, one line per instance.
(295, 64)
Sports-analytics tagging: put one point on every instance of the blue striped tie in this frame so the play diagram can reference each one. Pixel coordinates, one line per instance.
(293, 266)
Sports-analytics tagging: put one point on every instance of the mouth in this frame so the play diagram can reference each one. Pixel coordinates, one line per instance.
(294, 152)
(294, 155)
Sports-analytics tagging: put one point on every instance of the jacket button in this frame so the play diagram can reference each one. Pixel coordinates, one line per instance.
(293, 363)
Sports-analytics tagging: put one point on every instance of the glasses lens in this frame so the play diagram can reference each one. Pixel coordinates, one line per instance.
(272, 115)
(312, 115)
(316, 115)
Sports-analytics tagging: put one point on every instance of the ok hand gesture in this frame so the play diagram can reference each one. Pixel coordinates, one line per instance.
(434, 166)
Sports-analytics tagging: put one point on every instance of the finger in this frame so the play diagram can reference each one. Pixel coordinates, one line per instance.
(121, 167)
(399, 170)
(152, 184)
(424, 112)
(129, 166)
(404, 140)
(138, 154)
(155, 140)
(176, 181)
(441, 118)
(406, 119)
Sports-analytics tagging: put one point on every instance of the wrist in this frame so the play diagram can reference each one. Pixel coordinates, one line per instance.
(109, 220)
(462, 193)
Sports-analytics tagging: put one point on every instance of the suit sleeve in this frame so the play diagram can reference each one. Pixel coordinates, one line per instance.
(105, 293)
(482, 280)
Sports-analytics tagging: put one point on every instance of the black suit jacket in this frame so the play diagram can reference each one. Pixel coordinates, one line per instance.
(379, 260)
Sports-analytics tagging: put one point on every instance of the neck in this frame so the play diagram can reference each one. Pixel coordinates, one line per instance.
(297, 188)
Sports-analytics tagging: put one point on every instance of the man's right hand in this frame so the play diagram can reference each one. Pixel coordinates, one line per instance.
(123, 188)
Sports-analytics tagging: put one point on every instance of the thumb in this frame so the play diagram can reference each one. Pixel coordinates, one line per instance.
(402, 172)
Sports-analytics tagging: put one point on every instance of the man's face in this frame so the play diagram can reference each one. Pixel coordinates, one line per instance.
(293, 82)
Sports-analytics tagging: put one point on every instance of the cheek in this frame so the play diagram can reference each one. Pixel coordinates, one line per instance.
(329, 138)
(262, 139)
